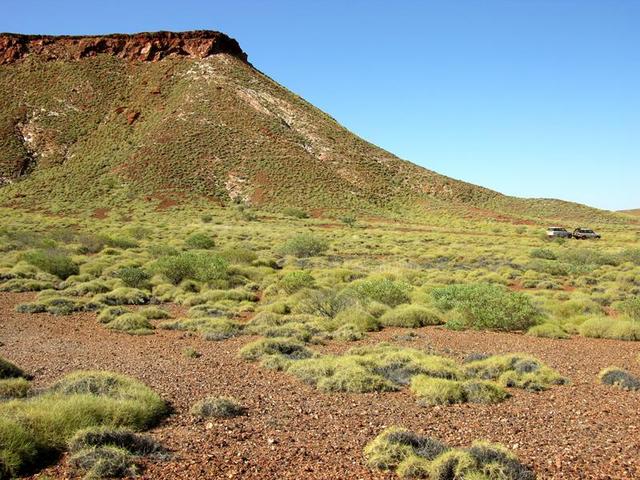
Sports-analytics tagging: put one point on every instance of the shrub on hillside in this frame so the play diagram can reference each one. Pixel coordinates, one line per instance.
(305, 245)
(383, 290)
(201, 266)
(488, 306)
(200, 241)
(630, 308)
(135, 277)
(411, 316)
(55, 262)
(291, 282)
(295, 212)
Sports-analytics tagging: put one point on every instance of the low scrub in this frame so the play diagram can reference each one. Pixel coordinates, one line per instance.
(383, 290)
(411, 316)
(607, 327)
(488, 306)
(548, 330)
(14, 388)
(201, 266)
(415, 456)
(200, 241)
(55, 262)
(131, 323)
(305, 245)
(515, 370)
(123, 296)
(34, 431)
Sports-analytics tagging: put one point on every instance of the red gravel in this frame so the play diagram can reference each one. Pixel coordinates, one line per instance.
(581, 431)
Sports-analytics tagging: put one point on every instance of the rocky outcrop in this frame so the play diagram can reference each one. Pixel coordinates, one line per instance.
(144, 47)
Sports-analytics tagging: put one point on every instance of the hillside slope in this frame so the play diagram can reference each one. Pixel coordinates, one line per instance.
(97, 121)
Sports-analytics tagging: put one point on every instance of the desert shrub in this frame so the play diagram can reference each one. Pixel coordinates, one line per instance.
(411, 316)
(487, 306)
(14, 388)
(437, 391)
(201, 266)
(482, 391)
(35, 430)
(154, 313)
(121, 242)
(200, 241)
(55, 262)
(206, 218)
(415, 456)
(349, 220)
(382, 290)
(548, 330)
(515, 370)
(90, 243)
(132, 323)
(630, 308)
(606, 327)
(9, 370)
(394, 445)
(543, 253)
(213, 329)
(295, 213)
(218, 407)
(134, 277)
(19, 285)
(304, 245)
(115, 436)
(619, 378)
(325, 302)
(104, 462)
(291, 282)
(286, 347)
(123, 296)
(362, 320)
(109, 314)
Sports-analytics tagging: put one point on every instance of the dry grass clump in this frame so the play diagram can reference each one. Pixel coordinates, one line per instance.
(415, 456)
(515, 370)
(218, 407)
(123, 296)
(548, 330)
(131, 323)
(606, 327)
(439, 391)
(211, 328)
(35, 430)
(411, 316)
(619, 378)
(14, 388)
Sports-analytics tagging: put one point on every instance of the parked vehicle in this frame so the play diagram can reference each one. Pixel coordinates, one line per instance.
(558, 232)
(585, 234)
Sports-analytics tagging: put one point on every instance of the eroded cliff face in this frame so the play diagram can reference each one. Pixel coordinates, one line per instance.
(144, 47)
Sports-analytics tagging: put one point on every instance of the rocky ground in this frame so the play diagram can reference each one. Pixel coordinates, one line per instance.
(581, 431)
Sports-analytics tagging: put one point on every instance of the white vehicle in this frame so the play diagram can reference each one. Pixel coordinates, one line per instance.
(558, 232)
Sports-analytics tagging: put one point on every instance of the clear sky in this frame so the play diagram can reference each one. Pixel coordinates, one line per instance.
(535, 98)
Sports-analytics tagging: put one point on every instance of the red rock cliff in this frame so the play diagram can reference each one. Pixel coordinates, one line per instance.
(145, 47)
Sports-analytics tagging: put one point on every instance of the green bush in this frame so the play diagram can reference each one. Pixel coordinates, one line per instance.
(383, 290)
(291, 282)
(201, 266)
(200, 241)
(123, 296)
(305, 245)
(488, 306)
(411, 316)
(35, 430)
(134, 277)
(55, 262)
(630, 308)
(543, 253)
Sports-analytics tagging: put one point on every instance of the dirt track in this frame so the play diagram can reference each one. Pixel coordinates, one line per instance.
(580, 431)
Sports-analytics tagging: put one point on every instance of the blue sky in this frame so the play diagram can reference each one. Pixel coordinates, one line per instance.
(535, 98)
